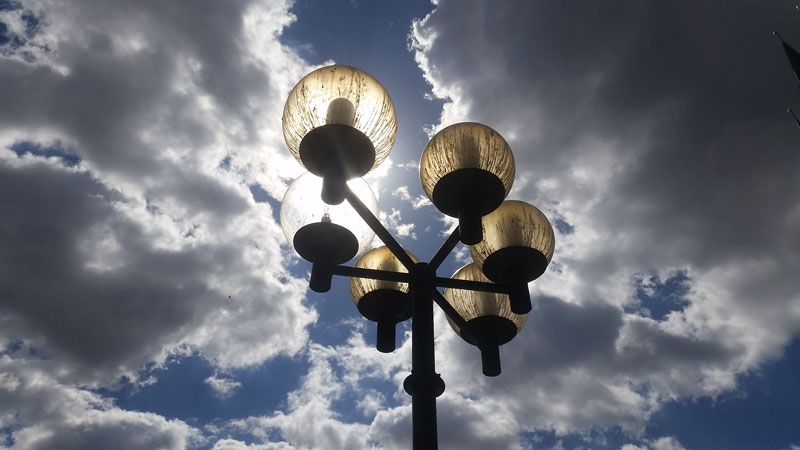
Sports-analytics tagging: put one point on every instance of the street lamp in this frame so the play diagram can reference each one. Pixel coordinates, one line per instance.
(339, 123)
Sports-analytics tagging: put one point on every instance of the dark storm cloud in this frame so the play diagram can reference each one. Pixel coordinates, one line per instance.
(131, 71)
(93, 106)
(124, 238)
(96, 318)
(145, 244)
(658, 131)
(697, 88)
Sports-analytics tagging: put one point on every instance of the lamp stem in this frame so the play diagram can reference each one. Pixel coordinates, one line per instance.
(321, 276)
(470, 228)
(490, 359)
(386, 336)
(333, 188)
(520, 298)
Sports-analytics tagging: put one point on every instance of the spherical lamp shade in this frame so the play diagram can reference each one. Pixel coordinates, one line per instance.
(339, 122)
(381, 301)
(467, 170)
(517, 246)
(324, 234)
(488, 315)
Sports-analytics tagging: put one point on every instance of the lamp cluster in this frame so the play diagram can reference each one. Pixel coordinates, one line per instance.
(340, 123)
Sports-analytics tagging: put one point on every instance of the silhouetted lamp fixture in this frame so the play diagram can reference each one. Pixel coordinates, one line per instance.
(467, 170)
(324, 234)
(517, 246)
(382, 301)
(488, 316)
(339, 122)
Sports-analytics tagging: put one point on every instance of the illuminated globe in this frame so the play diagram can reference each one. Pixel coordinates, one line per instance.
(339, 123)
(324, 234)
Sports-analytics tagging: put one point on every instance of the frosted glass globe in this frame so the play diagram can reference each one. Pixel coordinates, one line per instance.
(341, 95)
(302, 206)
(489, 318)
(467, 170)
(474, 304)
(521, 239)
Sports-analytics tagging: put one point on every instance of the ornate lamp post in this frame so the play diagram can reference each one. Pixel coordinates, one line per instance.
(339, 123)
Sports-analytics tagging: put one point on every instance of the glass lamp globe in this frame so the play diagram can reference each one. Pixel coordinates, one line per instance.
(517, 246)
(467, 170)
(488, 315)
(381, 301)
(323, 234)
(339, 122)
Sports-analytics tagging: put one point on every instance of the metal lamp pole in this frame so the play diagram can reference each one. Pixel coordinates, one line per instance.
(423, 384)
(339, 123)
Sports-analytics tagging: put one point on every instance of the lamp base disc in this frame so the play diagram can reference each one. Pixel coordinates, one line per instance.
(325, 241)
(337, 150)
(475, 192)
(490, 330)
(515, 264)
(385, 304)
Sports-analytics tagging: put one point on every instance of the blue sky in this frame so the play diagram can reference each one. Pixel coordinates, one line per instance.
(148, 298)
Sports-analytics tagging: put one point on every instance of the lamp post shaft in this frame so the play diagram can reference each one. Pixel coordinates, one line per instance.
(424, 384)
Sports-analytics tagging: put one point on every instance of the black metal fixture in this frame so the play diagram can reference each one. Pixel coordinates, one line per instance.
(339, 123)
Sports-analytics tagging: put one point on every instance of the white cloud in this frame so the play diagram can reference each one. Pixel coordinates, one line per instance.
(666, 443)
(153, 240)
(313, 419)
(46, 414)
(663, 443)
(151, 245)
(421, 201)
(448, 224)
(224, 387)
(114, 313)
(371, 402)
(310, 420)
(402, 193)
(409, 165)
(231, 444)
(379, 178)
(394, 223)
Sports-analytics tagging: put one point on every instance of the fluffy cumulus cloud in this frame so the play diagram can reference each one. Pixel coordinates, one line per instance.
(332, 410)
(661, 151)
(49, 415)
(224, 387)
(130, 136)
(311, 419)
(664, 443)
(394, 223)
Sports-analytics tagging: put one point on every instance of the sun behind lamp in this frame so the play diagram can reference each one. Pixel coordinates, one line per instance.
(382, 301)
(517, 246)
(488, 315)
(467, 170)
(325, 235)
(339, 123)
